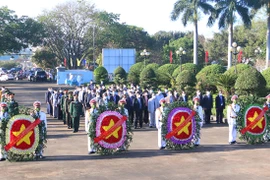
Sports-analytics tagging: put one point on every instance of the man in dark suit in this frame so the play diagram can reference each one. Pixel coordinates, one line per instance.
(130, 102)
(145, 107)
(220, 106)
(116, 97)
(138, 108)
(207, 104)
(183, 97)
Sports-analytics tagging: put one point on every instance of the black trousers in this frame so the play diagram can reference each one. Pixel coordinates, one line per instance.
(138, 118)
(145, 115)
(76, 123)
(219, 115)
(60, 113)
(207, 113)
(131, 115)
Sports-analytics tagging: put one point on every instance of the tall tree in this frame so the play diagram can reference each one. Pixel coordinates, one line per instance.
(256, 5)
(226, 11)
(190, 12)
(67, 27)
(17, 33)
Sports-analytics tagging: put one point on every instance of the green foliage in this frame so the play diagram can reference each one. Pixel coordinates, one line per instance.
(185, 78)
(154, 66)
(208, 75)
(101, 74)
(266, 75)
(148, 78)
(250, 82)
(134, 73)
(186, 43)
(45, 58)
(9, 64)
(240, 69)
(17, 33)
(164, 73)
(187, 66)
(225, 83)
(120, 75)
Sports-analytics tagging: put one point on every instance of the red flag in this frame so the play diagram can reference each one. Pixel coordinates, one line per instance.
(171, 57)
(206, 57)
(240, 56)
(65, 62)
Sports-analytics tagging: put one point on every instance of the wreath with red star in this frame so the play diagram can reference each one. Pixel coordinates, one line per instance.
(108, 114)
(11, 127)
(250, 108)
(194, 128)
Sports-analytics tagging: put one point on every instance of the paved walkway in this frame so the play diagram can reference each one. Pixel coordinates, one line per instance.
(67, 158)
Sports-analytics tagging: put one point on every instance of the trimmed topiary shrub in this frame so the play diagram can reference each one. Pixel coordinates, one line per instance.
(120, 75)
(240, 68)
(101, 74)
(148, 78)
(164, 73)
(266, 75)
(186, 78)
(187, 66)
(134, 73)
(208, 75)
(154, 66)
(250, 82)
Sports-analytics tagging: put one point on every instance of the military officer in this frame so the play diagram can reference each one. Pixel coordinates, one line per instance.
(75, 113)
(88, 120)
(232, 111)
(13, 107)
(42, 116)
(67, 102)
(3, 115)
(198, 108)
(159, 112)
(62, 104)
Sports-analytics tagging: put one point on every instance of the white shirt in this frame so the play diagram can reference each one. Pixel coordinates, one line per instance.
(42, 117)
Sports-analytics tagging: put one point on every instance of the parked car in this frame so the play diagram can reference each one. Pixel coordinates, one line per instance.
(19, 76)
(6, 77)
(30, 76)
(40, 76)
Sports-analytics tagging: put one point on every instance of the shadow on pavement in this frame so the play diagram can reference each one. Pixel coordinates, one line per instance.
(154, 152)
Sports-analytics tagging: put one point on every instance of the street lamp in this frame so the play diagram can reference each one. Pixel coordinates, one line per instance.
(144, 53)
(235, 50)
(180, 52)
(258, 51)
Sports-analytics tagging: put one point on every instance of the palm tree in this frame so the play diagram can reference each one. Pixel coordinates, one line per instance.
(190, 12)
(226, 11)
(256, 5)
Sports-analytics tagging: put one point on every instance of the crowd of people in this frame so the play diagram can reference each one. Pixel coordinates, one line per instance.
(143, 106)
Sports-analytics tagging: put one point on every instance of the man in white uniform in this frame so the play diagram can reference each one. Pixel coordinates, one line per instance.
(151, 109)
(199, 111)
(88, 121)
(232, 111)
(42, 116)
(159, 113)
(3, 115)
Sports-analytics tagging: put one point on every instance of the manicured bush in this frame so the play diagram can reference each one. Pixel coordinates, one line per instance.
(250, 82)
(240, 68)
(266, 75)
(134, 73)
(120, 75)
(185, 78)
(187, 66)
(101, 74)
(164, 73)
(154, 66)
(148, 78)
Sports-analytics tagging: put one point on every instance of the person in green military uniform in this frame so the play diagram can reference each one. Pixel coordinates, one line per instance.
(13, 107)
(67, 102)
(63, 105)
(75, 113)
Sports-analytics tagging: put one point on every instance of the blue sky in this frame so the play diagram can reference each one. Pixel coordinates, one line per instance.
(152, 15)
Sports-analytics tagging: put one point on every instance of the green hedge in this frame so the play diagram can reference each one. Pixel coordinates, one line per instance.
(120, 75)
(134, 73)
(101, 74)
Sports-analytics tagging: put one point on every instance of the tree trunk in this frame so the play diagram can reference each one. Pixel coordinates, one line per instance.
(195, 43)
(230, 41)
(268, 38)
